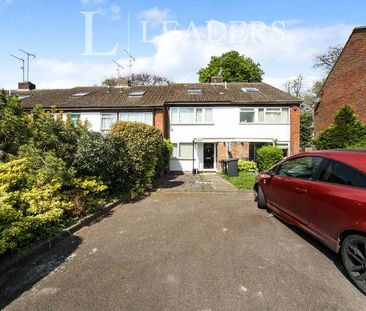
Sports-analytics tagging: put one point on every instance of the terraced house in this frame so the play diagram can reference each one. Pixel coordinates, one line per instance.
(206, 122)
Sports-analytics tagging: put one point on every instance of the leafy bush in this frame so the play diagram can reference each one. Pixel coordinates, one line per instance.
(167, 155)
(267, 156)
(145, 145)
(14, 129)
(50, 133)
(247, 166)
(361, 145)
(347, 130)
(37, 194)
(106, 157)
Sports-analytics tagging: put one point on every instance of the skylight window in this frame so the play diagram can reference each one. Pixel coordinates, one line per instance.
(194, 91)
(81, 94)
(250, 90)
(137, 93)
(24, 97)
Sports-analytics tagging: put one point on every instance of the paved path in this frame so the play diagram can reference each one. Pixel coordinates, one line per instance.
(218, 183)
(184, 251)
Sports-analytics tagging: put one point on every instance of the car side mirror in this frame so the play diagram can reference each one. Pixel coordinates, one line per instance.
(266, 176)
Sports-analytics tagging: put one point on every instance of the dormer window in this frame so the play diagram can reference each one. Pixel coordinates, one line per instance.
(194, 91)
(80, 94)
(137, 93)
(250, 90)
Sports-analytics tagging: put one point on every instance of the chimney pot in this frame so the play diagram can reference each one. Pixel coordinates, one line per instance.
(123, 82)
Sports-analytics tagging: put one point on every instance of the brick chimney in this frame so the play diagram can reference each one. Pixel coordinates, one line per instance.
(123, 82)
(26, 86)
(217, 79)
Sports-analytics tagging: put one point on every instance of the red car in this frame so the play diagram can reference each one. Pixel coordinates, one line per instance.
(323, 193)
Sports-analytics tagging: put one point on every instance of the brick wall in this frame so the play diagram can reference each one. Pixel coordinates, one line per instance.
(159, 121)
(346, 84)
(239, 150)
(294, 130)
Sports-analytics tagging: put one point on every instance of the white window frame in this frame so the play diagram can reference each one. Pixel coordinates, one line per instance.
(256, 115)
(249, 109)
(188, 157)
(194, 115)
(178, 155)
(101, 120)
(150, 113)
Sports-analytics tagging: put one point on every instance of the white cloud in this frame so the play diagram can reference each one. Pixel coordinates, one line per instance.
(178, 56)
(156, 15)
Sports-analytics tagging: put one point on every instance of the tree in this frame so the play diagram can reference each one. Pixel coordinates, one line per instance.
(233, 67)
(13, 125)
(327, 60)
(295, 87)
(347, 130)
(139, 79)
(306, 129)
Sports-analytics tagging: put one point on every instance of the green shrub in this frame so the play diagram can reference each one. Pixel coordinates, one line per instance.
(267, 156)
(145, 145)
(247, 166)
(50, 133)
(14, 129)
(105, 157)
(167, 155)
(347, 130)
(37, 195)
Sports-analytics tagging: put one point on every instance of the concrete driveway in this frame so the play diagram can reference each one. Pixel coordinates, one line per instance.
(184, 251)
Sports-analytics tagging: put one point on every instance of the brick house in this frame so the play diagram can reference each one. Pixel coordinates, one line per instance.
(346, 82)
(206, 122)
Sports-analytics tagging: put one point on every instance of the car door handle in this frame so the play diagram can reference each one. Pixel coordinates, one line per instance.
(301, 190)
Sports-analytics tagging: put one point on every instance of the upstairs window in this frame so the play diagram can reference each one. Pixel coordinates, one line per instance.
(138, 116)
(75, 117)
(247, 115)
(107, 120)
(264, 115)
(182, 115)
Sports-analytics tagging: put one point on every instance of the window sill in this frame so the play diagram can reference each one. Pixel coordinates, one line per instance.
(209, 123)
(264, 123)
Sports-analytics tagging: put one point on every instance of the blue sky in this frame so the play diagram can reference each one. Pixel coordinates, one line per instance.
(55, 32)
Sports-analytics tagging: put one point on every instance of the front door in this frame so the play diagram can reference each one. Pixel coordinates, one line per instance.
(208, 156)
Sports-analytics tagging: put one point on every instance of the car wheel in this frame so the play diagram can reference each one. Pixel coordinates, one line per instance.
(261, 200)
(353, 251)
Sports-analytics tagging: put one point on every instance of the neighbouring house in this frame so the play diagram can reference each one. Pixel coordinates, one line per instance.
(206, 122)
(345, 84)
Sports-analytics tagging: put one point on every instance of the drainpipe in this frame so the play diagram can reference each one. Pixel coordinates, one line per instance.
(193, 143)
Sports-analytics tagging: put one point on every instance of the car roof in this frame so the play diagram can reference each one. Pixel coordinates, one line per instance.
(355, 158)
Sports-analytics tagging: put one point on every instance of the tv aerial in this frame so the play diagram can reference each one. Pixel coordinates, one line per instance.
(22, 60)
(119, 68)
(131, 59)
(28, 55)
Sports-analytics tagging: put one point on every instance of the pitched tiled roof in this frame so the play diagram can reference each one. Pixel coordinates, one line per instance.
(155, 96)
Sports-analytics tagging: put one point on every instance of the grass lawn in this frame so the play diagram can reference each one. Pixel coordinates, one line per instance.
(244, 181)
